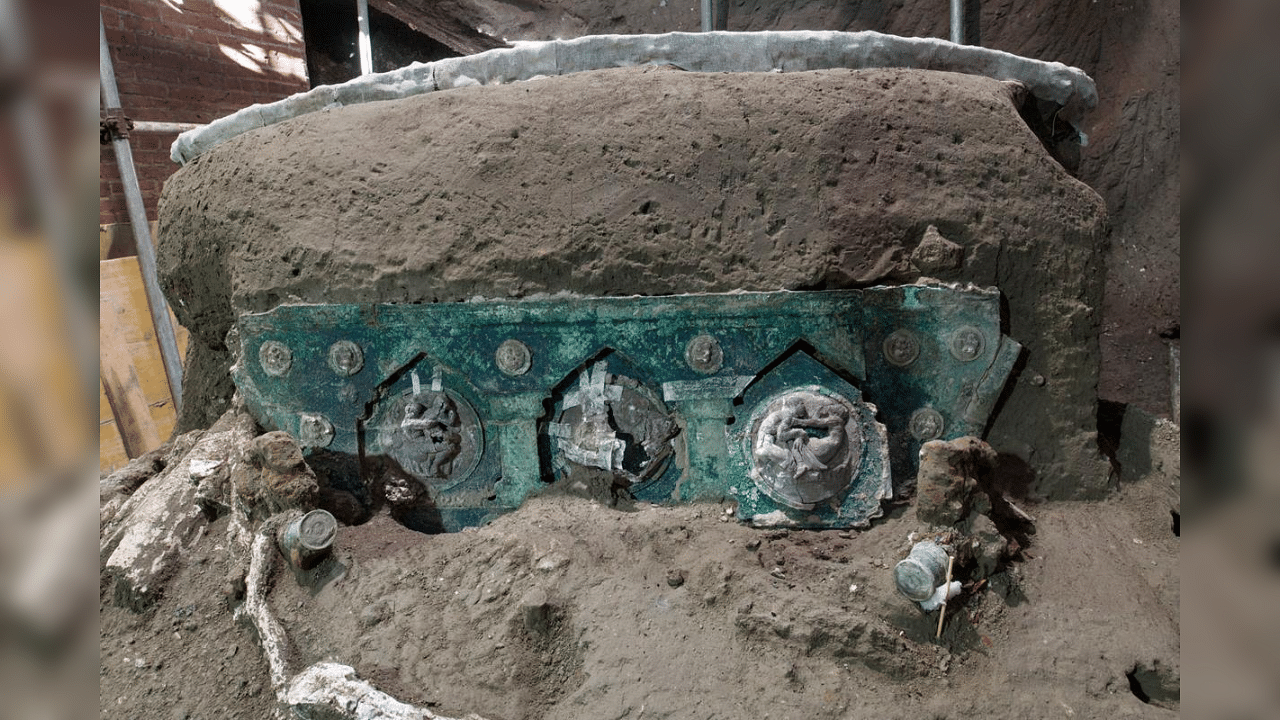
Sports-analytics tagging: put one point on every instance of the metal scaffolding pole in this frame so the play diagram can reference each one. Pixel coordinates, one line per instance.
(141, 230)
(715, 15)
(363, 41)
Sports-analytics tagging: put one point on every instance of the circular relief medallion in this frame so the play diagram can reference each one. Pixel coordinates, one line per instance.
(806, 446)
(314, 430)
(901, 348)
(615, 423)
(926, 424)
(435, 436)
(345, 358)
(966, 344)
(513, 357)
(275, 358)
(703, 354)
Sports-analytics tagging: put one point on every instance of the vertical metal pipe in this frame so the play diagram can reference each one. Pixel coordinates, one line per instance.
(141, 230)
(957, 22)
(363, 42)
(715, 15)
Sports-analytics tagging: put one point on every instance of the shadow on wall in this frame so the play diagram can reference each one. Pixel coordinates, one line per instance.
(197, 61)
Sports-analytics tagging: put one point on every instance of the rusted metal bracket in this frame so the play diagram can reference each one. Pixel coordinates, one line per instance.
(113, 125)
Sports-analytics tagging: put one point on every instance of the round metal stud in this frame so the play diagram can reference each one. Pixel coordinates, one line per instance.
(967, 344)
(901, 348)
(346, 358)
(703, 354)
(314, 430)
(275, 357)
(513, 357)
(926, 424)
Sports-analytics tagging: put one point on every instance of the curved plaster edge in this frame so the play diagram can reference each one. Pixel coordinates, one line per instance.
(786, 51)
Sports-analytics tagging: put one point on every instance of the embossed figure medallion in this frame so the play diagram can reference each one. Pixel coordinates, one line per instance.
(966, 344)
(901, 347)
(703, 354)
(434, 435)
(275, 358)
(513, 357)
(806, 447)
(314, 430)
(345, 358)
(926, 424)
(613, 423)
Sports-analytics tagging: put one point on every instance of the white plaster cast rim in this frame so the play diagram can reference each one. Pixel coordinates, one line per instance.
(774, 51)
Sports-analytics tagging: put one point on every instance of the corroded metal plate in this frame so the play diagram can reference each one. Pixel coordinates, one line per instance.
(798, 405)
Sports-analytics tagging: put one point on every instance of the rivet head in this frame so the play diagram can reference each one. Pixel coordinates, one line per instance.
(275, 358)
(926, 424)
(901, 347)
(314, 430)
(967, 344)
(345, 358)
(703, 354)
(513, 357)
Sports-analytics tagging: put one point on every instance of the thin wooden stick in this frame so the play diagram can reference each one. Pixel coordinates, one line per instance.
(946, 590)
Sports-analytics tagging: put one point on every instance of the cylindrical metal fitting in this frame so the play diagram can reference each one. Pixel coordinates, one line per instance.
(919, 576)
(307, 540)
(957, 22)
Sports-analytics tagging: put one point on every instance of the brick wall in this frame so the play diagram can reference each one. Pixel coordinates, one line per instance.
(192, 61)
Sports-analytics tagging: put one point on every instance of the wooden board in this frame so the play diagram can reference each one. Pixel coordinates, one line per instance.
(111, 453)
(116, 240)
(135, 388)
(42, 404)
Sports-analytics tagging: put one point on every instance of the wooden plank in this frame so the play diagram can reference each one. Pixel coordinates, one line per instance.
(16, 459)
(121, 287)
(451, 25)
(133, 377)
(123, 387)
(42, 405)
(116, 240)
(111, 454)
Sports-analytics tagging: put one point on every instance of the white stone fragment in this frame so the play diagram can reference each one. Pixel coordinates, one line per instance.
(335, 688)
(203, 468)
(162, 518)
(941, 595)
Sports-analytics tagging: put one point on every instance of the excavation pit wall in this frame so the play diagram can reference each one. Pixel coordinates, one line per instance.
(652, 181)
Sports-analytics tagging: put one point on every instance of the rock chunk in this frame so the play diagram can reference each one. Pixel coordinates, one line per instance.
(146, 536)
(272, 477)
(936, 255)
(951, 478)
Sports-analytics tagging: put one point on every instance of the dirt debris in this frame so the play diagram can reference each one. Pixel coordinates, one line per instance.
(565, 609)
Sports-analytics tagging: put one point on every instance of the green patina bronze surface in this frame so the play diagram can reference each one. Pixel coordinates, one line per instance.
(798, 405)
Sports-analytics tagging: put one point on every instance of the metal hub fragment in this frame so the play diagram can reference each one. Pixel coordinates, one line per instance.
(801, 407)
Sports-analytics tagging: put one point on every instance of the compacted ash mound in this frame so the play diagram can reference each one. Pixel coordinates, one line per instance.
(655, 181)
